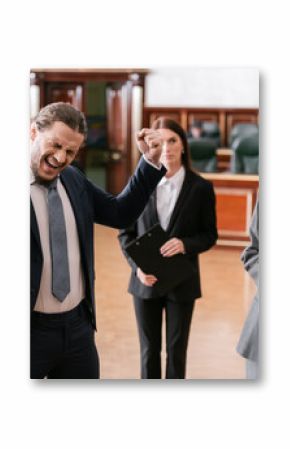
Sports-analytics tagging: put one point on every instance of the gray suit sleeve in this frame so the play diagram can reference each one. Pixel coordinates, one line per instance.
(248, 345)
(250, 256)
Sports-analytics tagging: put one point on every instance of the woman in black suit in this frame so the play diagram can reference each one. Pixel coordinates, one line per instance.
(184, 205)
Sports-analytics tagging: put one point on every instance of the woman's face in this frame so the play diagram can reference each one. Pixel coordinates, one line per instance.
(172, 149)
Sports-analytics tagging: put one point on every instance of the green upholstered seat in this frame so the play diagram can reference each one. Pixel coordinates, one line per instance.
(245, 158)
(242, 130)
(210, 130)
(203, 154)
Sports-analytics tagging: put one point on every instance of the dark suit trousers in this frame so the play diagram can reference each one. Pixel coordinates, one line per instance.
(62, 346)
(149, 319)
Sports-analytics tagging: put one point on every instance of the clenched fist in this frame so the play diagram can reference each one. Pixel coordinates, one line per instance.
(149, 142)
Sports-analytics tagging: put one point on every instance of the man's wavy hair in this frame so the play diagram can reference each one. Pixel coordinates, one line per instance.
(61, 112)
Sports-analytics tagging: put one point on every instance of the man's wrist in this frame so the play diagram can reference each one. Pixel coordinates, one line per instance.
(155, 164)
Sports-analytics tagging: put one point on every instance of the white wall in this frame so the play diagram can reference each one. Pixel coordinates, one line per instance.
(203, 87)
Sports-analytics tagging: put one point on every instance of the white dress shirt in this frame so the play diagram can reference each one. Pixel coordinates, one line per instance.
(168, 191)
(46, 302)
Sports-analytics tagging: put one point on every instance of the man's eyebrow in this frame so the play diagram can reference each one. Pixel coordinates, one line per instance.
(55, 140)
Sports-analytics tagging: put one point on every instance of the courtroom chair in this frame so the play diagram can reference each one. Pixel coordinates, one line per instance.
(245, 157)
(203, 155)
(242, 130)
(210, 130)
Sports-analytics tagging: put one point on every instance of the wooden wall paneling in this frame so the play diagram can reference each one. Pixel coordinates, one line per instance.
(204, 116)
(183, 119)
(42, 98)
(234, 207)
(222, 127)
(225, 118)
(128, 92)
(135, 122)
(117, 119)
(233, 118)
(174, 115)
(114, 114)
(83, 75)
(67, 92)
(235, 200)
(224, 156)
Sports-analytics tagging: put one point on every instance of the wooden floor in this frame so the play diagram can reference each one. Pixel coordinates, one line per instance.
(217, 320)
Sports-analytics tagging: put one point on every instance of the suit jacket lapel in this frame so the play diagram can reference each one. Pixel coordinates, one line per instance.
(186, 186)
(75, 195)
(149, 217)
(77, 199)
(34, 225)
(152, 208)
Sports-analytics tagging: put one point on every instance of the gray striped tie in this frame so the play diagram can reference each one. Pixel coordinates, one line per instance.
(58, 244)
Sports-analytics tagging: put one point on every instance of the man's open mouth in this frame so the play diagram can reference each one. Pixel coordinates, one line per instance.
(55, 167)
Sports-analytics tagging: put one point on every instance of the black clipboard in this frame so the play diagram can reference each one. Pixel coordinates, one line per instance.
(170, 271)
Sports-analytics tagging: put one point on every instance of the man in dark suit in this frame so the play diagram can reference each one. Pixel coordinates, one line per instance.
(64, 207)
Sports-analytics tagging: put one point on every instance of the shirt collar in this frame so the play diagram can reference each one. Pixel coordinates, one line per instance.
(32, 177)
(33, 180)
(174, 180)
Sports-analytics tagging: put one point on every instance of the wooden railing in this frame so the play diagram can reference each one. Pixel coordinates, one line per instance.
(235, 200)
(225, 117)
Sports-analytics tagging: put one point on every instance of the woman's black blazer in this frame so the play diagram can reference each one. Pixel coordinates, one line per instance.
(193, 221)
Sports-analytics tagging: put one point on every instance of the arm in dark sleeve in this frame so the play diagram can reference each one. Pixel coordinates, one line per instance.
(207, 235)
(126, 236)
(250, 256)
(122, 210)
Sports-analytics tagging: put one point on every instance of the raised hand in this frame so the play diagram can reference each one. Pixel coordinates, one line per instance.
(149, 142)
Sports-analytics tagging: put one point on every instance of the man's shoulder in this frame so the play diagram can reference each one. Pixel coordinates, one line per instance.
(73, 170)
(72, 174)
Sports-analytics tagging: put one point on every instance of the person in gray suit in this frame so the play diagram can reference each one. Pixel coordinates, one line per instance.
(248, 345)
